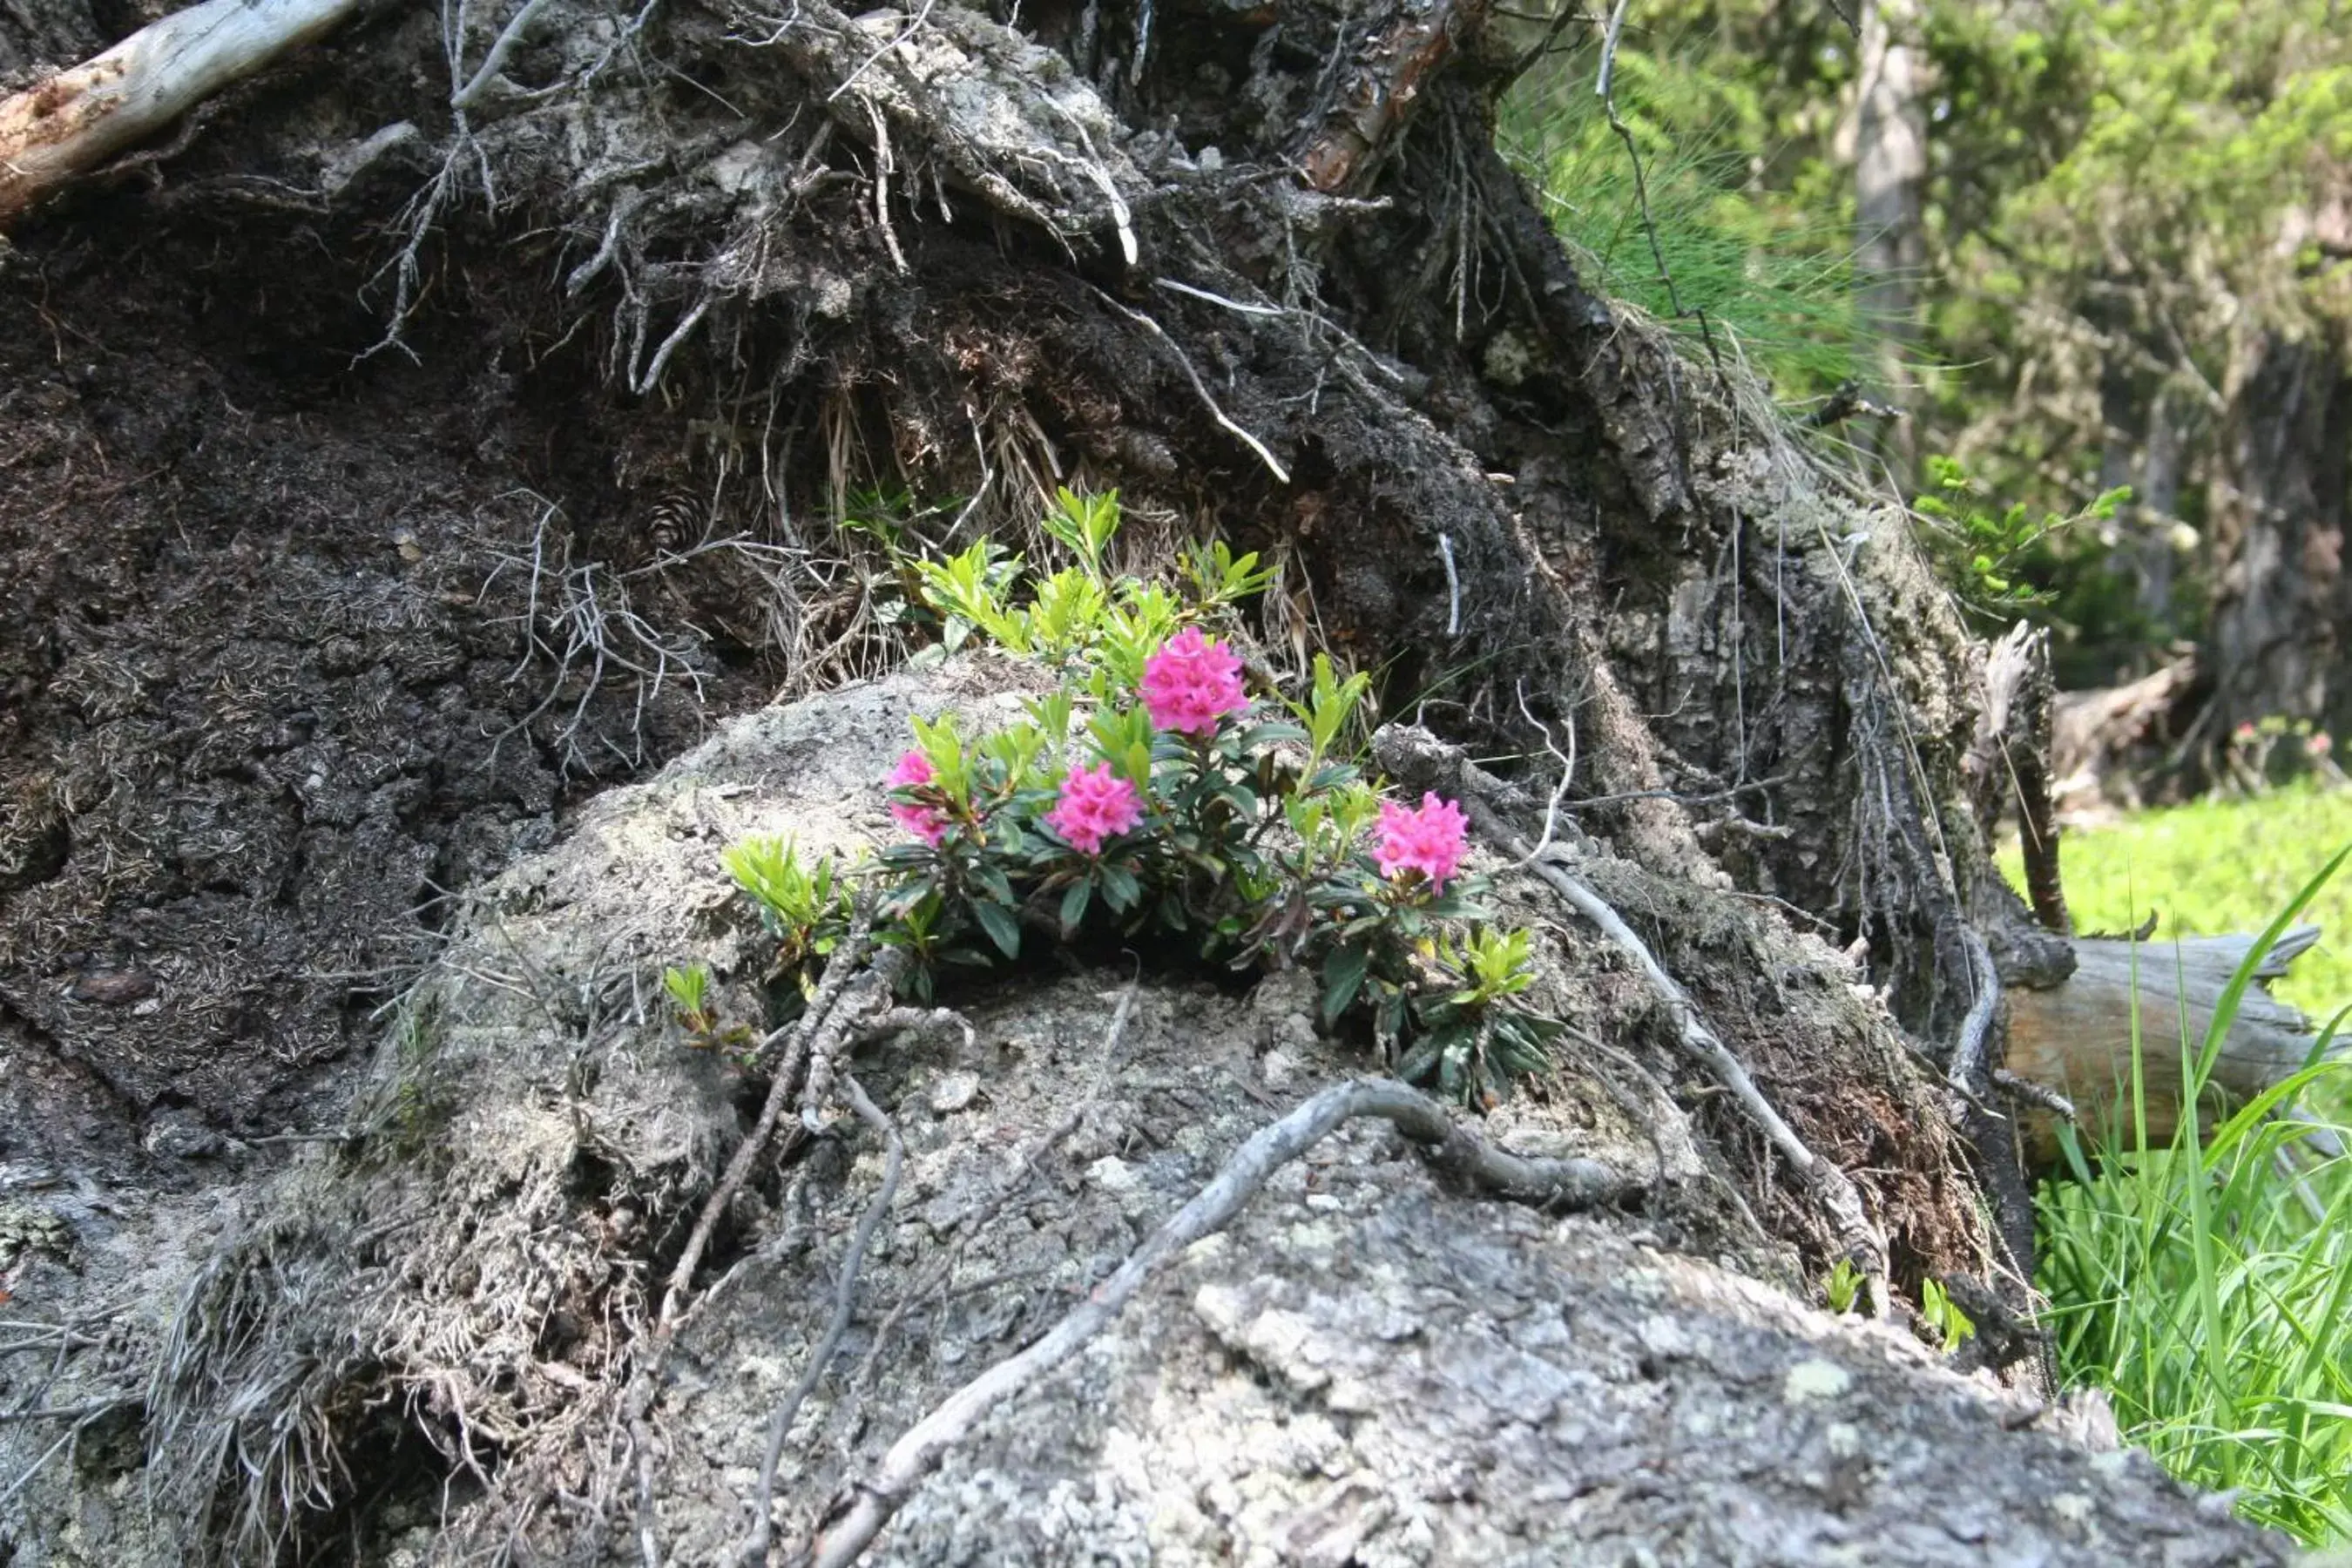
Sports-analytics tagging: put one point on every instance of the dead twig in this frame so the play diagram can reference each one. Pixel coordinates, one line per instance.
(845, 1302)
(1568, 1183)
(1184, 363)
(2032, 1093)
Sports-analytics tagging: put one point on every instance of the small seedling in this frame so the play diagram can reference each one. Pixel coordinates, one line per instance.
(1937, 1308)
(1844, 1287)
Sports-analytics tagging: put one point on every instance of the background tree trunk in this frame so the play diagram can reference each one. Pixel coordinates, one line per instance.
(2278, 509)
(1890, 173)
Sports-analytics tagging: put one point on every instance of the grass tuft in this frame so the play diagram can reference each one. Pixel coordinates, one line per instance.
(2206, 1283)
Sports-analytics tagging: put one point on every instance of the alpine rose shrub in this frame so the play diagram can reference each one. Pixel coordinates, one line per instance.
(1163, 804)
(1096, 804)
(1431, 840)
(1192, 682)
(928, 823)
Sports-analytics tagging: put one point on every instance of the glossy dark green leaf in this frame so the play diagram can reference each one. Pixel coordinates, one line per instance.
(1003, 927)
(1343, 976)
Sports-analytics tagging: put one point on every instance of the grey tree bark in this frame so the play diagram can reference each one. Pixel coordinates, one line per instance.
(1890, 173)
(2278, 510)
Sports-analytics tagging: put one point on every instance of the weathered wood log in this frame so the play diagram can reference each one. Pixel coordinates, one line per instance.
(2076, 1037)
(2105, 744)
(68, 124)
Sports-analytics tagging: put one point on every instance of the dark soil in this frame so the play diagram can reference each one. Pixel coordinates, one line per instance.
(267, 700)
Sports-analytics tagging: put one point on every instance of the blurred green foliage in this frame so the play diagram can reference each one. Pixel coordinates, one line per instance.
(2121, 196)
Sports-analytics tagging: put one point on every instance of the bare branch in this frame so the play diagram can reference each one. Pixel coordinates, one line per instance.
(76, 120)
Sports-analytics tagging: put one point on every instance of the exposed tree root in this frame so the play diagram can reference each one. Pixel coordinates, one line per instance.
(1415, 753)
(859, 1515)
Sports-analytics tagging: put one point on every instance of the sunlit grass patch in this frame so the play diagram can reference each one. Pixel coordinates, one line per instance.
(2220, 866)
(2207, 1284)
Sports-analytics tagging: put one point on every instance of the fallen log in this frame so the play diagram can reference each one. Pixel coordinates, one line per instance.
(66, 125)
(2076, 1037)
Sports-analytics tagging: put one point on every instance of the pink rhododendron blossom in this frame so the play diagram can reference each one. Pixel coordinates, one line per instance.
(2319, 745)
(2244, 733)
(1431, 840)
(928, 823)
(1192, 682)
(1096, 804)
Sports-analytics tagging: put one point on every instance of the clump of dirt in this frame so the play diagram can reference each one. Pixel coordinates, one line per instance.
(421, 1345)
(294, 646)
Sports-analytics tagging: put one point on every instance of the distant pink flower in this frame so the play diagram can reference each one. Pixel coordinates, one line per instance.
(2244, 733)
(1431, 840)
(1096, 804)
(928, 823)
(2319, 745)
(1192, 682)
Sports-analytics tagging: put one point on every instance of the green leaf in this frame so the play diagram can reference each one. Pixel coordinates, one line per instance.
(1074, 904)
(993, 881)
(1269, 733)
(1120, 888)
(1343, 976)
(1003, 926)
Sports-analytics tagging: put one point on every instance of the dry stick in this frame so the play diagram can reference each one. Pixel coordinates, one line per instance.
(845, 1302)
(1580, 1183)
(2032, 1093)
(77, 119)
(1184, 363)
(1026, 1168)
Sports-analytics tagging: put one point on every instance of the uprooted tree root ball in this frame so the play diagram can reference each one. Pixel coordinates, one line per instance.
(467, 414)
(509, 1257)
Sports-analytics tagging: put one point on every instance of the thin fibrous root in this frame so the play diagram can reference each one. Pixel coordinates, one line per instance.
(1572, 1184)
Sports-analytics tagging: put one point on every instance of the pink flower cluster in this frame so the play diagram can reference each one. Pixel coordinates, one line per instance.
(1096, 804)
(928, 823)
(1431, 840)
(1192, 682)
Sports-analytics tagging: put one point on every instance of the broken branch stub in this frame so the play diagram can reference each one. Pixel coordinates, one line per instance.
(62, 128)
